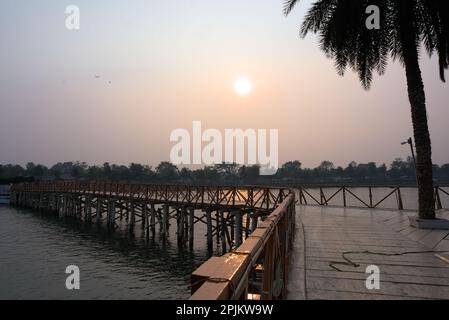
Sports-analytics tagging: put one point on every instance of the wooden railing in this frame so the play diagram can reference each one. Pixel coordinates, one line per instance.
(257, 269)
(251, 198)
(441, 192)
(367, 197)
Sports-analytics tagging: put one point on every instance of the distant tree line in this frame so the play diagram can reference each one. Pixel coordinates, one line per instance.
(399, 172)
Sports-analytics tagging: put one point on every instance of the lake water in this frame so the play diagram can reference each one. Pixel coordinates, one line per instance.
(35, 250)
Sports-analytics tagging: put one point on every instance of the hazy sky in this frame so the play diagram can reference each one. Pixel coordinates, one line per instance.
(173, 62)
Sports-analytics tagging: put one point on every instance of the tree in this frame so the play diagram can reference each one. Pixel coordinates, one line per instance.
(326, 166)
(249, 173)
(291, 169)
(404, 26)
(94, 173)
(185, 174)
(107, 170)
(167, 171)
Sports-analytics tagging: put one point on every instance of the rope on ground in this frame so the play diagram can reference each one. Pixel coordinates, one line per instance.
(349, 262)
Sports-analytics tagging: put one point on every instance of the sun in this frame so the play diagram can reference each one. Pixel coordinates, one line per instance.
(243, 86)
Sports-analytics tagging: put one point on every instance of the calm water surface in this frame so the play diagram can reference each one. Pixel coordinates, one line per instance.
(35, 250)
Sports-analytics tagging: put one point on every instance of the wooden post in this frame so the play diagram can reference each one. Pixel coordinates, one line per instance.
(111, 214)
(153, 220)
(132, 221)
(71, 206)
(108, 212)
(217, 226)
(160, 219)
(127, 211)
(72, 210)
(165, 209)
(57, 204)
(438, 199)
(344, 197)
(167, 218)
(79, 209)
(142, 216)
(223, 232)
(40, 206)
(146, 220)
(179, 225)
(238, 228)
(98, 212)
(184, 225)
(370, 197)
(185, 232)
(254, 219)
(65, 205)
(191, 227)
(209, 230)
(50, 205)
(231, 218)
(247, 224)
(400, 204)
(88, 209)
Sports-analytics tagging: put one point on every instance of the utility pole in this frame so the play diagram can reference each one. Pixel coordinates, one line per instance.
(410, 142)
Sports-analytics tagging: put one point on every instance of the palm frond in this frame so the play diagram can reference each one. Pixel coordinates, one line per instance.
(289, 5)
(343, 36)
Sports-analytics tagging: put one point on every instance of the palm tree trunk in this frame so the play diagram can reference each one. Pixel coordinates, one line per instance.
(417, 99)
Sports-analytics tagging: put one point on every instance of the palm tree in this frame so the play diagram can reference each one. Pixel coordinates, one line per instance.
(405, 26)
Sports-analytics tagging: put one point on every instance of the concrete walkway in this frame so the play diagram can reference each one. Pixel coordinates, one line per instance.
(325, 233)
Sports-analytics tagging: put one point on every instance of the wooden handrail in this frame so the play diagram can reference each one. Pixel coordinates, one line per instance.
(257, 269)
(241, 197)
(306, 197)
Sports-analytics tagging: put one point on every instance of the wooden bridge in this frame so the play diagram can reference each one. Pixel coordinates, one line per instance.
(230, 213)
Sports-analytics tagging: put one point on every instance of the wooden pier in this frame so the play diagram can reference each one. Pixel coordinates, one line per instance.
(334, 246)
(229, 213)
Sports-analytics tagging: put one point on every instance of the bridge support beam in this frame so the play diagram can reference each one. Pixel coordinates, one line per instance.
(153, 220)
(209, 230)
(223, 233)
(179, 225)
(98, 211)
(132, 221)
(87, 209)
(165, 213)
(111, 213)
(191, 227)
(238, 228)
(146, 221)
(217, 226)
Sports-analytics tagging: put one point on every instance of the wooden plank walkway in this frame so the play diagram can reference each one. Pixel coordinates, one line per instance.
(324, 234)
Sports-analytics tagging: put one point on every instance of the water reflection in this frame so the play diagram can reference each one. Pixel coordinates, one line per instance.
(36, 248)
